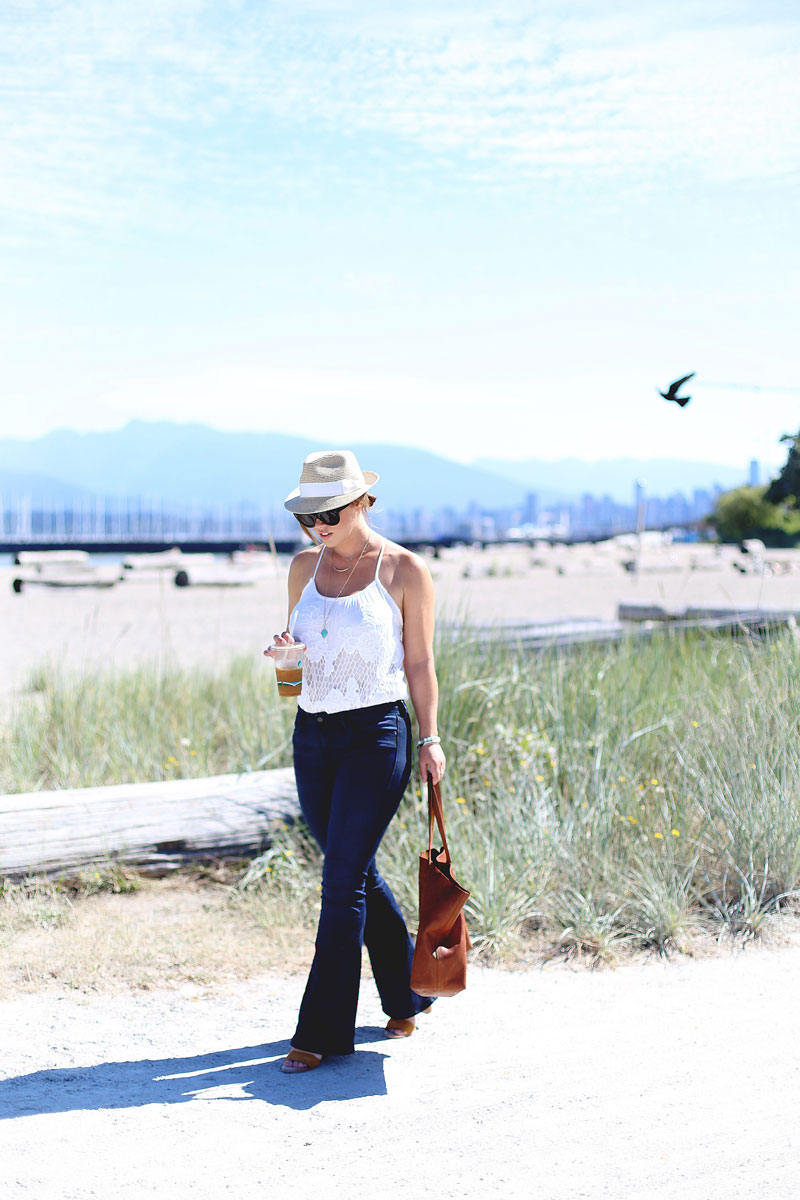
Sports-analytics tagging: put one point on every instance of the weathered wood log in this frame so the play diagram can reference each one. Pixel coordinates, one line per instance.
(633, 620)
(165, 560)
(646, 612)
(539, 635)
(215, 575)
(755, 618)
(67, 576)
(144, 823)
(46, 558)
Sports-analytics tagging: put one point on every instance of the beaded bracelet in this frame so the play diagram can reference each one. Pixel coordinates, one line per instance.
(428, 741)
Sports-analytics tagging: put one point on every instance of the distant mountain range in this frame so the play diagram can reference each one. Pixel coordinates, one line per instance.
(193, 462)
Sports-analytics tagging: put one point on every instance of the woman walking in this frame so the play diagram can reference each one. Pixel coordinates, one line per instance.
(363, 606)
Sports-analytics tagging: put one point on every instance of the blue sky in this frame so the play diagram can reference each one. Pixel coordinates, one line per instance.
(485, 230)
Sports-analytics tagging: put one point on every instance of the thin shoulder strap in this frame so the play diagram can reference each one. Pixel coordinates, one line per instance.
(319, 560)
(380, 557)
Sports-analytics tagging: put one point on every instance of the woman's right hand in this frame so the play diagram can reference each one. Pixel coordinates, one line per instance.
(279, 639)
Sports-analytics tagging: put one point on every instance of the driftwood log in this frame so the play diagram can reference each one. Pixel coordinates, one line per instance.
(143, 824)
(721, 619)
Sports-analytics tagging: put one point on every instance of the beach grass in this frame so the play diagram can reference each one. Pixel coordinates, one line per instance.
(644, 794)
(148, 724)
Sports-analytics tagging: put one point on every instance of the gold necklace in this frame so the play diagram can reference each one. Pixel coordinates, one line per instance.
(324, 630)
(340, 569)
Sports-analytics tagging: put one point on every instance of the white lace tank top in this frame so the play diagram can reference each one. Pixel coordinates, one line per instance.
(359, 661)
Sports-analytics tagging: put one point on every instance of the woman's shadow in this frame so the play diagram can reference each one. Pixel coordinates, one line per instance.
(244, 1073)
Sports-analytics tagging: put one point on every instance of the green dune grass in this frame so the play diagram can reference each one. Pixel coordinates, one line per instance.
(600, 797)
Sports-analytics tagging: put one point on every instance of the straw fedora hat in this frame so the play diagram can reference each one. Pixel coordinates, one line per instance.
(329, 479)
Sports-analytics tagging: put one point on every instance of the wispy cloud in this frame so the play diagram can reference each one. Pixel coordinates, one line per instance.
(122, 113)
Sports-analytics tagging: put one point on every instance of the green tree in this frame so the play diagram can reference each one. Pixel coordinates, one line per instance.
(785, 488)
(746, 512)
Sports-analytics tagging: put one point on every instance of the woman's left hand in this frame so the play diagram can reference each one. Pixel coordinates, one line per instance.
(432, 759)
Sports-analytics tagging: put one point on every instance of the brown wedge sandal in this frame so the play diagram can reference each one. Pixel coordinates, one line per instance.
(304, 1060)
(400, 1027)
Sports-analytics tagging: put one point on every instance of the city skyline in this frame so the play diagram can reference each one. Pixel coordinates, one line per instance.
(136, 519)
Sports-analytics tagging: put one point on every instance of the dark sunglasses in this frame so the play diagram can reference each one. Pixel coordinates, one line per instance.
(329, 517)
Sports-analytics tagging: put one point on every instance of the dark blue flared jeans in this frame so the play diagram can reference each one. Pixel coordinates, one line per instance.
(352, 769)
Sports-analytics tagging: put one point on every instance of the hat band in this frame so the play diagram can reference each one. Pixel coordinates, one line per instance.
(336, 487)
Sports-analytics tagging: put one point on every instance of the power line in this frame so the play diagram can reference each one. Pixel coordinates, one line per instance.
(748, 387)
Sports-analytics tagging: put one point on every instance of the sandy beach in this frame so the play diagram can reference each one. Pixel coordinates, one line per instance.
(147, 620)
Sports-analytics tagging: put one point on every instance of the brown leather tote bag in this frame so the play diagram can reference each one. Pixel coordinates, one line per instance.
(440, 955)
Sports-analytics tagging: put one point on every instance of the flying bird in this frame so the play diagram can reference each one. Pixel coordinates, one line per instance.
(673, 389)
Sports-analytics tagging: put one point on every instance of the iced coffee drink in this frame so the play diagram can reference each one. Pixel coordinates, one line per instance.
(288, 668)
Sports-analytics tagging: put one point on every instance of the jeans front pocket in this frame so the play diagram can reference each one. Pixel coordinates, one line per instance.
(307, 733)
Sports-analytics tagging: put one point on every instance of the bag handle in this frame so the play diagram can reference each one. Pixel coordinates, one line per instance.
(435, 813)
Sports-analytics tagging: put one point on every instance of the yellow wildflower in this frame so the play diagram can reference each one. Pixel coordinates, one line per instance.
(460, 800)
(540, 778)
(622, 779)
(633, 820)
(658, 835)
(654, 782)
(675, 832)
(695, 724)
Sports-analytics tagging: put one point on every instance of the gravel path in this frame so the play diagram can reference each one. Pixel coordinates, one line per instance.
(656, 1080)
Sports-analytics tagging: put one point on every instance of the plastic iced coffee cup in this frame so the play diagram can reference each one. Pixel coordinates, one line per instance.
(288, 668)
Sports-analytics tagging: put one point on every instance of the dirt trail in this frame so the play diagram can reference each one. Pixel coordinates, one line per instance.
(656, 1080)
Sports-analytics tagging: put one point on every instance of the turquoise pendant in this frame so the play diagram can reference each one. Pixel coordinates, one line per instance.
(324, 633)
